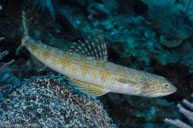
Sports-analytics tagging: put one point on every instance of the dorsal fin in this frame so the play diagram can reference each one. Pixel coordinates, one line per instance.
(88, 88)
(94, 47)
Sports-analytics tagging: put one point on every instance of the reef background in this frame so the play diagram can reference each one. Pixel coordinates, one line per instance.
(150, 35)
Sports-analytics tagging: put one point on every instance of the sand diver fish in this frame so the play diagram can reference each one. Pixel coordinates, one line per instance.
(87, 68)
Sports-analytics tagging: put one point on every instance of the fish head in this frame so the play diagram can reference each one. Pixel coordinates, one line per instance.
(155, 86)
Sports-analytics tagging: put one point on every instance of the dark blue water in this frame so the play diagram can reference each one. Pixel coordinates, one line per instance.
(149, 35)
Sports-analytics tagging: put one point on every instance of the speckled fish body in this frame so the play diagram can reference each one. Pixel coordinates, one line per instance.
(98, 72)
(89, 70)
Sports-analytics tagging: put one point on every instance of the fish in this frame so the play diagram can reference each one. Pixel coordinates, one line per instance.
(86, 66)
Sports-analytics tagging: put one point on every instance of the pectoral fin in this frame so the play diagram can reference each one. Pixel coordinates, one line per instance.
(39, 66)
(18, 50)
(88, 88)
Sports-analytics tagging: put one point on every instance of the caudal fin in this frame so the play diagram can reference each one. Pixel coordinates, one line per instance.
(26, 33)
(25, 25)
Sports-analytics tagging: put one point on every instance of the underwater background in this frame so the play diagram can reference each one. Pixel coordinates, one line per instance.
(150, 35)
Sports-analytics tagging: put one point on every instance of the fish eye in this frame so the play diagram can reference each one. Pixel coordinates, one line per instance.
(166, 85)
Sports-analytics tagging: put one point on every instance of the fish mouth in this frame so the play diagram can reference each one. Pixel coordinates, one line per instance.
(167, 93)
(174, 89)
(160, 94)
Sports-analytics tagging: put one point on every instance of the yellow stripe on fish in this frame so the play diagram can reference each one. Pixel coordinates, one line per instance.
(86, 66)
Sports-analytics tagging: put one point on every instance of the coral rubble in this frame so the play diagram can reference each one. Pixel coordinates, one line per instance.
(45, 102)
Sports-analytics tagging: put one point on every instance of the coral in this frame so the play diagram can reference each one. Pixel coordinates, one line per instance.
(6, 79)
(188, 11)
(76, 21)
(168, 18)
(98, 11)
(45, 5)
(2, 54)
(46, 101)
(187, 113)
(138, 112)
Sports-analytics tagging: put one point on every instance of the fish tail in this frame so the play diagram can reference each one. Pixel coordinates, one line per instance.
(25, 25)
(25, 35)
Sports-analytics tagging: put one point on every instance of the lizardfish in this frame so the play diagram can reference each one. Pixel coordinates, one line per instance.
(87, 68)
